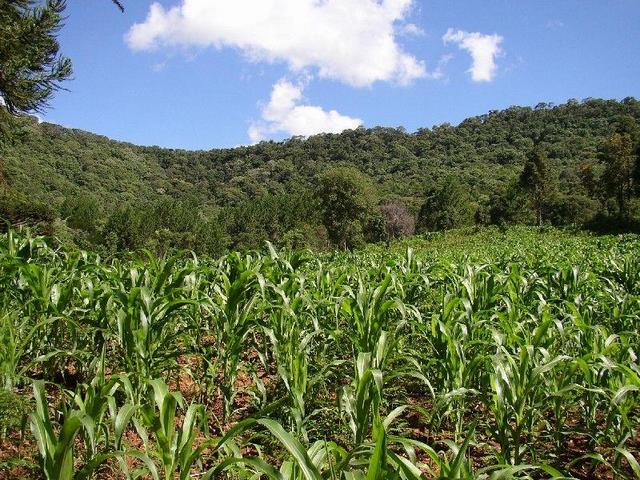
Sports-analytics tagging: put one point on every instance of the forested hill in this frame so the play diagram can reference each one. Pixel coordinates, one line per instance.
(50, 162)
(54, 165)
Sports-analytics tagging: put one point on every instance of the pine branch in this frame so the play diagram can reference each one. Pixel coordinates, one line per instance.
(119, 5)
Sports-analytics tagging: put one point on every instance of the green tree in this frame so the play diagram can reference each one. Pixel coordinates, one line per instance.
(505, 205)
(627, 125)
(31, 66)
(447, 205)
(19, 209)
(81, 212)
(636, 174)
(589, 179)
(347, 199)
(619, 158)
(126, 228)
(536, 181)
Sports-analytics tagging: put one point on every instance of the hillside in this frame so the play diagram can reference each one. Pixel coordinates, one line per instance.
(51, 164)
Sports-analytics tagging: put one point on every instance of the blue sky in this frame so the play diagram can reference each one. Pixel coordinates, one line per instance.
(219, 73)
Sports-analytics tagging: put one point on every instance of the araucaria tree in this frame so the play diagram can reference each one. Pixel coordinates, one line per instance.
(347, 199)
(31, 68)
(535, 180)
(620, 168)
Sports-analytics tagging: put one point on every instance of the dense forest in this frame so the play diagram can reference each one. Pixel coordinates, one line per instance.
(570, 164)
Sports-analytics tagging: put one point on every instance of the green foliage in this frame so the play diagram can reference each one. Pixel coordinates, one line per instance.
(81, 212)
(448, 205)
(173, 445)
(18, 209)
(347, 199)
(17, 337)
(506, 207)
(14, 410)
(536, 181)
(479, 353)
(270, 218)
(219, 200)
(620, 161)
(143, 312)
(32, 69)
(57, 450)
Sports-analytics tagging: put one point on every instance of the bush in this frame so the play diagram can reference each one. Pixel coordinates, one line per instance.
(398, 220)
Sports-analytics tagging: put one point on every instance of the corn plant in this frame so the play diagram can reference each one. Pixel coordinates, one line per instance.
(232, 309)
(361, 401)
(497, 354)
(20, 345)
(57, 450)
(119, 421)
(294, 333)
(173, 445)
(519, 397)
(148, 308)
(369, 313)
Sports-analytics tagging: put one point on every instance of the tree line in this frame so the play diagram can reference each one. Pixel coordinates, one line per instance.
(345, 208)
(572, 164)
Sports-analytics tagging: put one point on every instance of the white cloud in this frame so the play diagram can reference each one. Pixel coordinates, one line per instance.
(412, 29)
(353, 41)
(483, 49)
(286, 113)
(438, 72)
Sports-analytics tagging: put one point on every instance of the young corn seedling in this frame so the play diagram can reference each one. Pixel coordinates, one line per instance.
(119, 420)
(360, 402)
(173, 445)
(292, 343)
(519, 398)
(369, 312)
(20, 343)
(57, 449)
(233, 309)
(92, 401)
(150, 311)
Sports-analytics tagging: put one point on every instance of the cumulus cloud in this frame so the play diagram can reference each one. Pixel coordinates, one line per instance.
(287, 113)
(484, 49)
(353, 41)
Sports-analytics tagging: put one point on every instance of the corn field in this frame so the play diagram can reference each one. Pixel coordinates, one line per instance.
(494, 355)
